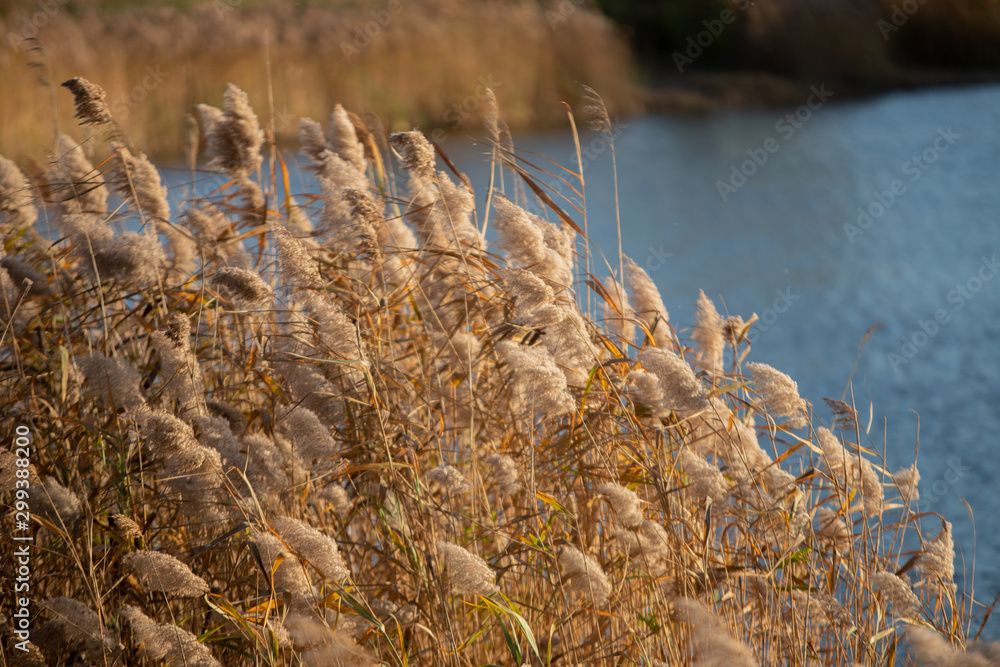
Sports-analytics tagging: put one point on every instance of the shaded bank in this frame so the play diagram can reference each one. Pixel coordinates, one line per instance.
(852, 40)
(411, 64)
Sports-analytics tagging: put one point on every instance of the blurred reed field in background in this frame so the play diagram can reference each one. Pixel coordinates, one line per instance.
(412, 63)
(270, 429)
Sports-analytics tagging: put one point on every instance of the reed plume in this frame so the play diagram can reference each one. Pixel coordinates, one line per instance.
(315, 548)
(233, 136)
(780, 394)
(246, 286)
(165, 642)
(74, 628)
(73, 181)
(708, 336)
(538, 384)
(113, 381)
(468, 573)
(584, 577)
(647, 304)
(679, 387)
(343, 139)
(17, 202)
(90, 100)
(163, 573)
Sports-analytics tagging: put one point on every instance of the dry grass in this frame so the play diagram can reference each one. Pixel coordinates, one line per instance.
(372, 439)
(424, 61)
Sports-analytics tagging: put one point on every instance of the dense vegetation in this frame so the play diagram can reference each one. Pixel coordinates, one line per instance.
(271, 429)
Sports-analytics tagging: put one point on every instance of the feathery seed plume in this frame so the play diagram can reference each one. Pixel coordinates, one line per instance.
(896, 592)
(617, 312)
(19, 271)
(288, 576)
(368, 221)
(851, 471)
(844, 416)
(344, 139)
(930, 649)
(90, 101)
(537, 381)
(681, 388)
(74, 627)
(834, 529)
(233, 136)
(127, 528)
(163, 573)
(167, 642)
(529, 291)
(707, 481)
(337, 649)
(417, 153)
(180, 364)
(708, 336)
(647, 303)
(336, 495)
(780, 394)
(112, 380)
(74, 182)
(468, 573)
(646, 392)
(625, 502)
(237, 420)
(316, 548)
(522, 235)
(711, 642)
(312, 139)
(56, 503)
(649, 543)
(906, 480)
(453, 212)
(136, 179)
(937, 560)
(584, 576)
(246, 286)
(311, 439)
(17, 202)
(337, 223)
(504, 474)
(297, 266)
(450, 478)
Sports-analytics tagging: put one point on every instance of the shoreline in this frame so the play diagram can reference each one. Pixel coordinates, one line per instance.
(714, 92)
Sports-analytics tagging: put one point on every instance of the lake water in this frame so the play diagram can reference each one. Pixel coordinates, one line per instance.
(783, 239)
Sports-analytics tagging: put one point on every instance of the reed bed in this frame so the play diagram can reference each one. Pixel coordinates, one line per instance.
(270, 429)
(412, 63)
